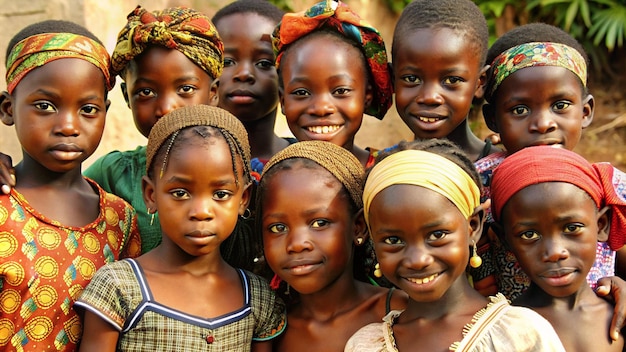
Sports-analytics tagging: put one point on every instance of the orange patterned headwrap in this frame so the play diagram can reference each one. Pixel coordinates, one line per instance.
(179, 28)
(533, 165)
(38, 50)
(338, 17)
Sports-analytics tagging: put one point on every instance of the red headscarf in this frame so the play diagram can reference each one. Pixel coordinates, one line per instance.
(541, 164)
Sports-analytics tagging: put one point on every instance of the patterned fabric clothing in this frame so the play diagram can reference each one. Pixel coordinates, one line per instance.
(119, 294)
(44, 266)
(511, 280)
(497, 327)
(120, 173)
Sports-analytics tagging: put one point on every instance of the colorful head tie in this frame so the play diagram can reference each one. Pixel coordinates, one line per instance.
(196, 115)
(338, 17)
(186, 30)
(424, 169)
(340, 162)
(536, 54)
(533, 165)
(38, 50)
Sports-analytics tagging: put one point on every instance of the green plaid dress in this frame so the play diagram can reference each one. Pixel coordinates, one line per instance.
(120, 295)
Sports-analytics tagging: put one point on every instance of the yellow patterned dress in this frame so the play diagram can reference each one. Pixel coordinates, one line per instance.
(44, 266)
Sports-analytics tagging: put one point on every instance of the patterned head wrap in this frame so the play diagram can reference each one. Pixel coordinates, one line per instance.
(337, 160)
(424, 169)
(196, 115)
(541, 164)
(38, 50)
(186, 30)
(536, 54)
(338, 17)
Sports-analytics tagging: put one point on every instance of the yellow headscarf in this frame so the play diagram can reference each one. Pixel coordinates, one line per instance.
(424, 169)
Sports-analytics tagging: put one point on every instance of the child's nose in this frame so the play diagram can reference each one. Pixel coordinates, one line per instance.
(202, 209)
(554, 250)
(167, 103)
(418, 257)
(543, 122)
(298, 240)
(68, 124)
(244, 72)
(321, 105)
(429, 94)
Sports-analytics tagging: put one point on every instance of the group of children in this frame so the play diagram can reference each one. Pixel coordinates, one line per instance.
(221, 235)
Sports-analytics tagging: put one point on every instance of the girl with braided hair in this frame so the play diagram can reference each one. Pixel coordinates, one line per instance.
(132, 305)
(332, 68)
(316, 243)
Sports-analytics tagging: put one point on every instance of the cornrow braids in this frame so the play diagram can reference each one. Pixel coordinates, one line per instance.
(458, 15)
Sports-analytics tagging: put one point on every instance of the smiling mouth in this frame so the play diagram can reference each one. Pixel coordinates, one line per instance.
(429, 119)
(323, 129)
(424, 280)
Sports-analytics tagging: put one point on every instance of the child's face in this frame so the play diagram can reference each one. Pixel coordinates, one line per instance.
(424, 254)
(248, 86)
(307, 237)
(553, 229)
(437, 73)
(59, 121)
(161, 80)
(324, 90)
(198, 202)
(540, 105)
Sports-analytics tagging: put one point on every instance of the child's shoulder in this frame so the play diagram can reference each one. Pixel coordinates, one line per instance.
(119, 161)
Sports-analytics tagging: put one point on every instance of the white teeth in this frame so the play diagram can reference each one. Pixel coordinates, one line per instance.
(424, 280)
(323, 129)
(428, 119)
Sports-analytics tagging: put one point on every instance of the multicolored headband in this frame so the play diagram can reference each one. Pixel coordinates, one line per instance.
(38, 50)
(424, 169)
(536, 54)
(338, 17)
(540, 164)
(179, 28)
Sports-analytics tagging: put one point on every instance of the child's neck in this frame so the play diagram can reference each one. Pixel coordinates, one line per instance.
(31, 174)
(167, 257)
(535, 297)
(264, 143)
(463, 136)
(333, 300)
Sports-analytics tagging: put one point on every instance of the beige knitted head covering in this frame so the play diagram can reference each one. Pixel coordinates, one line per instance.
(338, 161)
(197, 115)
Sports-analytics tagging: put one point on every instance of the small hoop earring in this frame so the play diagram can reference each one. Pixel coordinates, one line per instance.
(246, 214)
(475, 260)
(377, 271)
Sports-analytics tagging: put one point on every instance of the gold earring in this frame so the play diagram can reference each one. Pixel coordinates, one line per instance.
(359, 241)
(377, 271)
(475, 260)
(151, 216)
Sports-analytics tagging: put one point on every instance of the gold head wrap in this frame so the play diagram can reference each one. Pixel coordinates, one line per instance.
(38, 50)
(424, 169)
(337, 160)
(179, 28)
(196, 115)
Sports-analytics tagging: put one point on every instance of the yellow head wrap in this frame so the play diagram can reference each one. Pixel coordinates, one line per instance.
(424, 169)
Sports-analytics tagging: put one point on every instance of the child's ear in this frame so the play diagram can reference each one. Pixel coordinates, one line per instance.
(604, 224)
(125, 93)
(6, 108)
(281, 99)
(477, 220)
(490, 117)
(479, 93)
(589, 104)
(147, 188)
(361, 234)
(245, 198)
(214, 98)
(393, 77)
(107, 104)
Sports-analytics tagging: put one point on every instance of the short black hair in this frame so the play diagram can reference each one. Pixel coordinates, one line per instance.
(49, 26)
(262, 8)
(459, 15)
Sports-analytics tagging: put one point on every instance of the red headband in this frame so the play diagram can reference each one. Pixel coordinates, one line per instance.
(541, 164)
